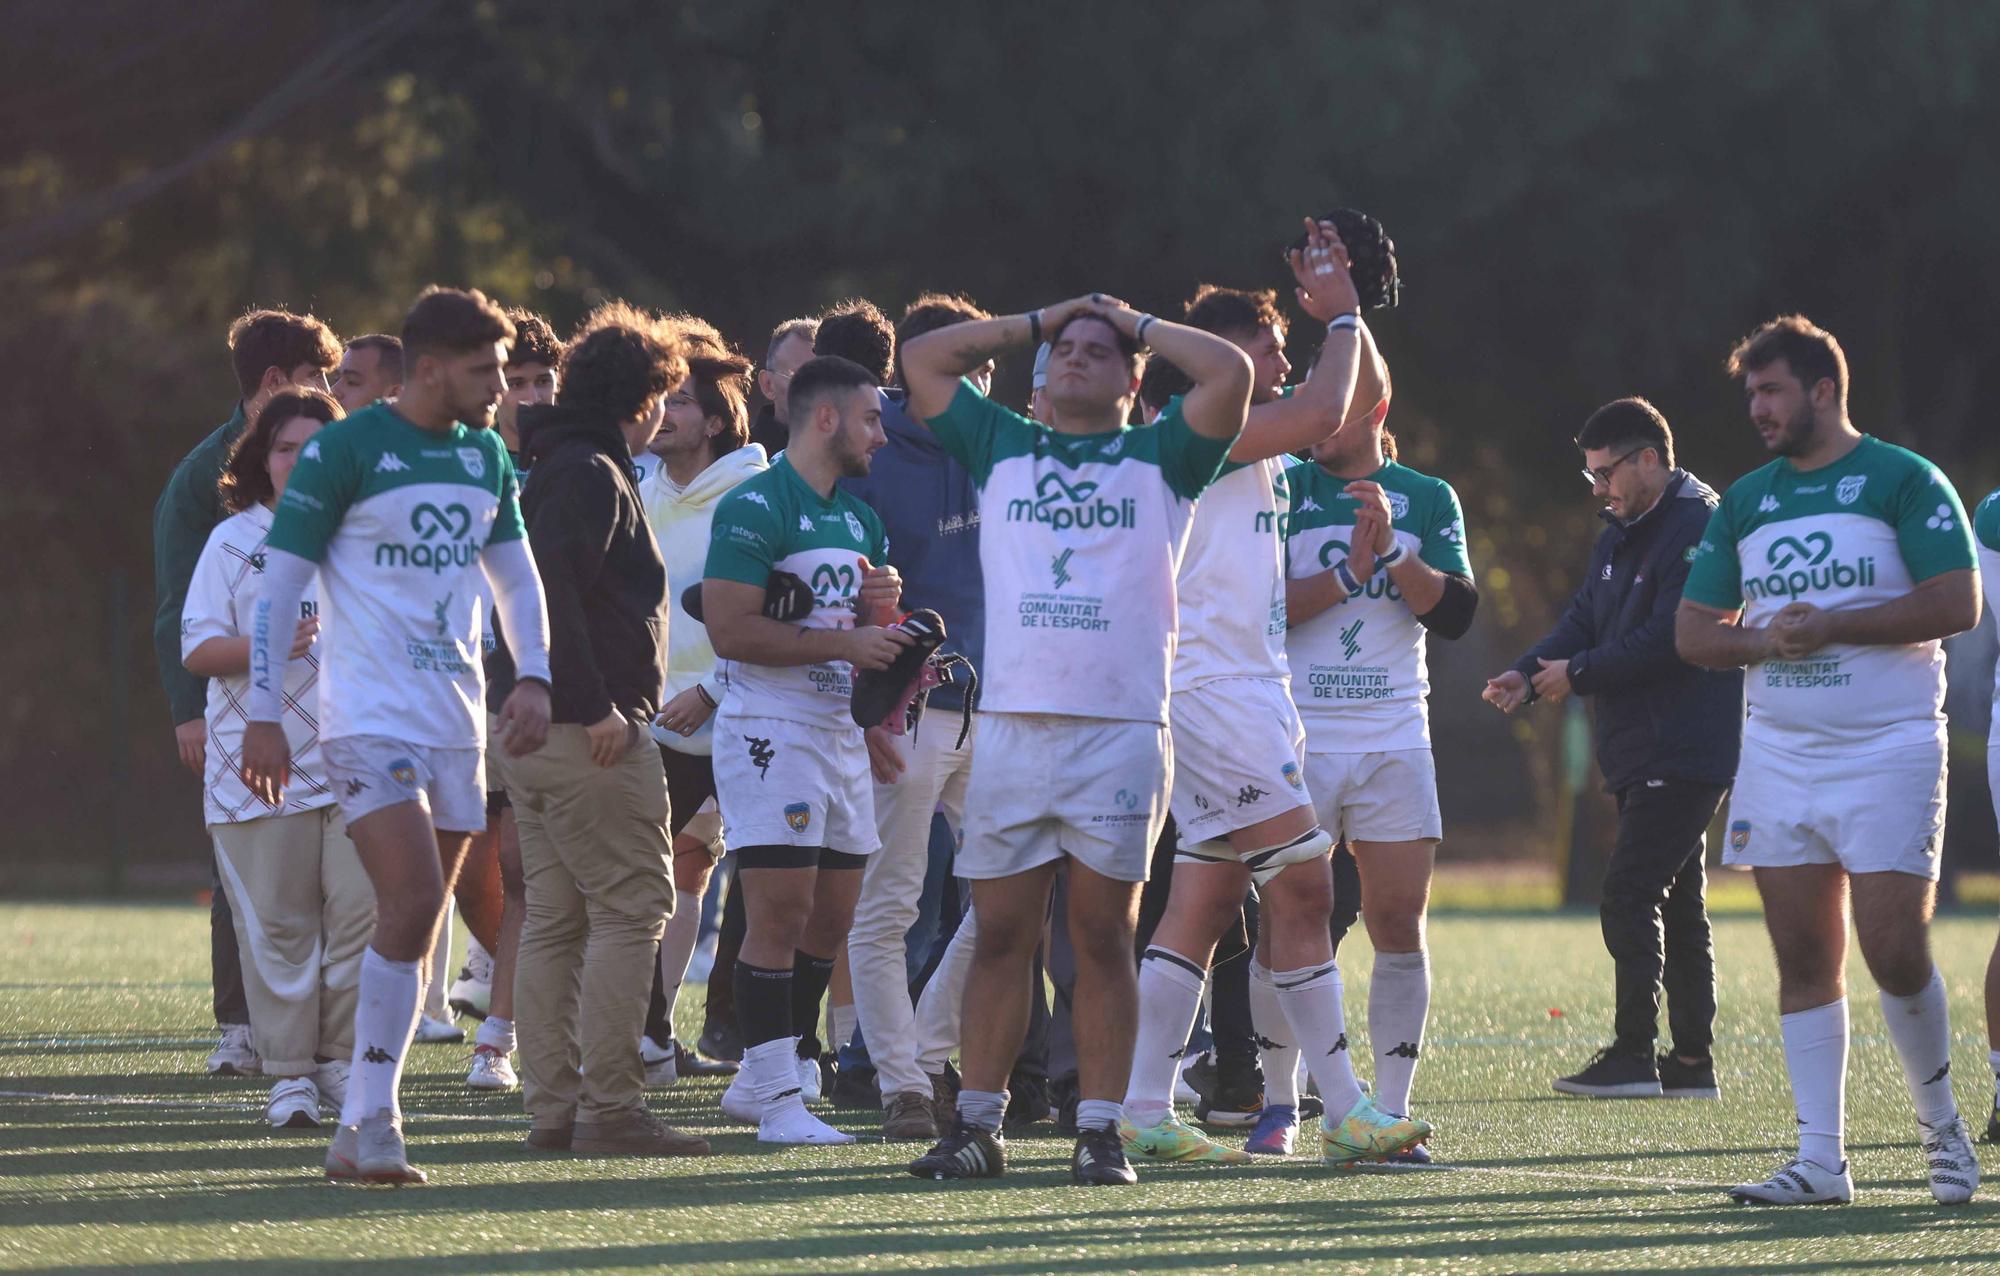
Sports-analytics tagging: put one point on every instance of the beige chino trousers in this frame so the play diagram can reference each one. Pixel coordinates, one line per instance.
(304, 912)
(595, 854)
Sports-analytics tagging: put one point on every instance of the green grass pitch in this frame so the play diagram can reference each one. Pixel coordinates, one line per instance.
(116, 1154)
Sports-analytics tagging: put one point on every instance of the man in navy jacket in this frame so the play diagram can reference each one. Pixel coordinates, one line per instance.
(1667, 740)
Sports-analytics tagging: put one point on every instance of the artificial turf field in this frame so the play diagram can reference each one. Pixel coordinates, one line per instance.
(117, 1154)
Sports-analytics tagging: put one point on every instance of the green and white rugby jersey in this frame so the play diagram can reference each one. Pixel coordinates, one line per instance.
(1232, 578)
(395, 516)
(1855, 533)
(1358, 670)
(1081, 536)
(775, 521)
(1986, 531)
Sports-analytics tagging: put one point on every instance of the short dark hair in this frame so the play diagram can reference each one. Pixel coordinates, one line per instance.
(822, 375)
(1127, 346)
(1222, 310)
(1624, 424)
(1161, 381)
(785, 331)
(858, 331)
(388, 351)
(534, 340)
(721, 376)
(262, 339)
(620, 362)
(931, 311)
(452, 321)
(1809, 350)
(246, 480)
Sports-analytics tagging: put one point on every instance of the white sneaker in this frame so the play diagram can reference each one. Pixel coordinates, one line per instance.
(331, 1079)
(1799, 1182)
(789, 1122)
(740, 1103)
(809, 1080)
(234, 1055)
(471, 994)
(1183, 1092)
(491, 1070)
(1953, 1165)
(659, 1061)
(436, 1031)
(294, 1105)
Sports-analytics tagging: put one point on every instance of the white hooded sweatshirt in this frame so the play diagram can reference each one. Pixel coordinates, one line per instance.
(680, 523)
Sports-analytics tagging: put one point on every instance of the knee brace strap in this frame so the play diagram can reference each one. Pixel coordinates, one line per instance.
(1267, 863)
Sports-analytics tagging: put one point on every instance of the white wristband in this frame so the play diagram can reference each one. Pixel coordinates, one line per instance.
(1394, 556)
(1349, 320)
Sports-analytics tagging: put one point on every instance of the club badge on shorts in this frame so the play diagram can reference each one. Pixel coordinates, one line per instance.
(1291, 773)
(404, 772)
(1739, 835)
(798, 816)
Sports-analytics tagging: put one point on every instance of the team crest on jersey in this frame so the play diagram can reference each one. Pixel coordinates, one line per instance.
(798, 817)
(854, 526)
(1399, 505)
(1849, 490)
(311, 451)
(1739, 835)
(473, 460)
(404, 772)
(1114, 447)
(1291, 773)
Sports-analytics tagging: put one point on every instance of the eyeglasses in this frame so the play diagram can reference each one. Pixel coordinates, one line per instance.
(782, 376)
(1594, 477)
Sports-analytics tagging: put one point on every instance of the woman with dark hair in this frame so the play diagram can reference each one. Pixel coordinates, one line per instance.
(302, 904)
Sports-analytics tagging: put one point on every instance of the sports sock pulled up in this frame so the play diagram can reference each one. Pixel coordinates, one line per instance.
(1816, 1060)
(385, 1020)
(1169, 998)
(1920, 1027)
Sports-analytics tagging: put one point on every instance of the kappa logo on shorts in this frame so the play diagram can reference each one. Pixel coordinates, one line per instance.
(761, 754)
(1739, 835)
(1291, 773)
(404, 772)
(798, 817)
(1250, 793)
(355, 787)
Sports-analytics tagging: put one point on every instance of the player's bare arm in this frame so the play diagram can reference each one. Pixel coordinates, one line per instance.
(739, 630)
(1712, 638)
(1323, 403)
(222, 657)
(1946, 604)
(1221, 373)
(933, 363)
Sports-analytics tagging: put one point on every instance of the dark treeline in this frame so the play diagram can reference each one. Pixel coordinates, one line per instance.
(1588, 201)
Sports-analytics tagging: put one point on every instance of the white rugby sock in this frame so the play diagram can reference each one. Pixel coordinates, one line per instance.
(1921, 1029)
(840, 1022)
(385, 1019)
(677, 949)
(1399, 1001)
(1816, 1059)
(771, 1069)
(1169, 996)
(1280, 1059)
(1311, 1000)
(496, 1034)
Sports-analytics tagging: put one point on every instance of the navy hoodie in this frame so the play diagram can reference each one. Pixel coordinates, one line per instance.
(928, 504)
(1658, 717)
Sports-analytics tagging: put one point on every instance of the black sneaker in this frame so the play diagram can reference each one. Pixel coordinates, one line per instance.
(719, 1042)
(857, 1088)
(1064, 1095)
(966, 1153)
(1234, 1099)
(1099, 1159)
(1614, 1074)
(1993, 1120)
(1028, 1102)
(878, 693)
(693, 1063)
(1687, 1080)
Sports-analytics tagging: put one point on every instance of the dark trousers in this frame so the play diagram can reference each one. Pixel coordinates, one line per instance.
(690, 782)
(1655, 914)
(225, 966)
(720, 1012)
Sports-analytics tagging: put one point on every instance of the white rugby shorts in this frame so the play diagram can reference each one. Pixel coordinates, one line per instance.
(1390, 796)
(783, 783)
(1239, 756)
(1048, 785)
(1869, 813)
(370, 772)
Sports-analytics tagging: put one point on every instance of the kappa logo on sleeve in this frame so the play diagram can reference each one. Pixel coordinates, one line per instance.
(757, 497)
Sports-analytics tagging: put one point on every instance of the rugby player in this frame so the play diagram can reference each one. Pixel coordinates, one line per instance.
(1240, 801)
(403, 509)
(1832, 573)
(791, 768)
(1083, 523)
(371, 369)
(1375, 552)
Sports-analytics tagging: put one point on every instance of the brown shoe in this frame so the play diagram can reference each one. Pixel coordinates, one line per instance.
(641, 1134)
(550, 1138)
(944, 1100)
(909, 1115)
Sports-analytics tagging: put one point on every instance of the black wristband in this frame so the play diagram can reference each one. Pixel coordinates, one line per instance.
(706, 698)
(1034, 327)
(1139, 332)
